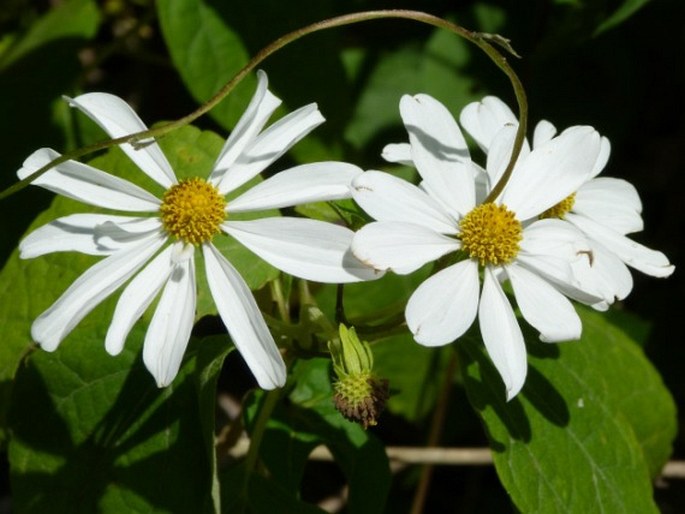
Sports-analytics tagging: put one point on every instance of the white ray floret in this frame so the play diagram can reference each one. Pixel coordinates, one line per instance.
(605, 209)
(155, 252)
(417, 225)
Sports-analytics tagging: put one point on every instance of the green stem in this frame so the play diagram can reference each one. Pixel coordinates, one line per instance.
(340, 305)
(477, 38)
(268, 406)
(280, 299)
(437, 425)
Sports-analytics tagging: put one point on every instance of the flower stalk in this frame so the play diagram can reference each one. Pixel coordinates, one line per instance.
(481, 40)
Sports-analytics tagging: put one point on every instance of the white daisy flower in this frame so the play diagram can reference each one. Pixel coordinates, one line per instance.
(605, 209)
(504, 240)
(157, 252)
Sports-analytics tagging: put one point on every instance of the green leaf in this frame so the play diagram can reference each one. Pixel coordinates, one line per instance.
(310, 419)
(210, 42)
(262, 496)
(588, 427)
(436, 69)
(286, 445)
(210, 358)
(93, 433)
(413, 372)
(268, 498)
(625, 11)
(636, 387)
(71, 19)
(31, 286)
(207, 53)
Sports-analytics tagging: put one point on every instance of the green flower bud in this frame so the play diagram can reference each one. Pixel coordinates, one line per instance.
(360, 396)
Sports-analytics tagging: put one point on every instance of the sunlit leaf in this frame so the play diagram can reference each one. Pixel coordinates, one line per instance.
(207, 53)
(435, 68)
(588, 427)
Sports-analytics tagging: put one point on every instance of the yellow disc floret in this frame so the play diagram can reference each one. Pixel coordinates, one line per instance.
(561, 209)
(192, 211)
(491, 233)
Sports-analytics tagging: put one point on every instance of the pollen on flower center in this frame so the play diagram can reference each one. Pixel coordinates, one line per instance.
(491, 233)
(561, 209)
(192, 210)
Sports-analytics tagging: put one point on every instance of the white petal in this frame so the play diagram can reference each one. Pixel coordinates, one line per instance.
(244, 321)
(399, 153)
(439, 151)
(551, 172)
(388, 198)
(543, 306)
(316, 182)
(559, 252)
(551, 236)
(554, 241)
(306, 248)
(612, 202)
(261, 107)
(502, 335)
(606, 274)
(117, 118)
(482, 181)
(169, 331)
(635, 255)
(92, 234)
(97, 283)
(445, 200)
(500, 154)
(136, 298)
(402, 247)
(270, 145)
(87, 184)
(482, 120)
(602, 158)
(444, 306)
(544, 131)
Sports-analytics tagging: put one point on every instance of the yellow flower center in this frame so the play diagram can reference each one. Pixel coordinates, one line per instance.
(192, 211)
(491, 234)
(561, 209)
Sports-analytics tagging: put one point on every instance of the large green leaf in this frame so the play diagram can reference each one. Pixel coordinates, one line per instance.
(414, 373)
(588, 427)
(210, 41)
(308, 419)
(92, 433)
(207, 53)
(437, 68)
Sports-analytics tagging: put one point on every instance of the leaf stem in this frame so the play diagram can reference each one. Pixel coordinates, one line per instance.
(437, 425)
(479, 39)
(279, 298)
(267, 408)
